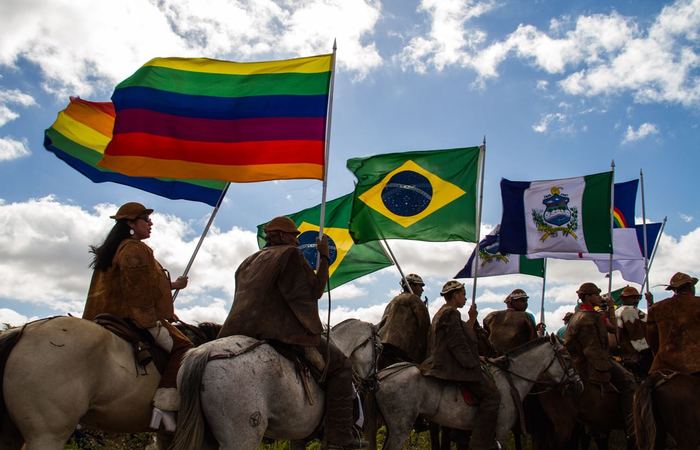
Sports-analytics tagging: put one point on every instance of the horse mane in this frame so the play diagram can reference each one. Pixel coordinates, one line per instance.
(527, 346)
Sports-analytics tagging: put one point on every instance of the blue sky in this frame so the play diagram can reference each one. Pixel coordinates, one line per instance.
(558, 89)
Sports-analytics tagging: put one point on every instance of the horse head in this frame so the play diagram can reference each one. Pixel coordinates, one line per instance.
(358, 340)
(566, 376)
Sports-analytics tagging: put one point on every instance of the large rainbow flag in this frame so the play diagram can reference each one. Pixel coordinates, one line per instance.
(79, 137)
(239, 122)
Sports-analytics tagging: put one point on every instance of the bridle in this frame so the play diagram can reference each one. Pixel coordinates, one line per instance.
(369, 382)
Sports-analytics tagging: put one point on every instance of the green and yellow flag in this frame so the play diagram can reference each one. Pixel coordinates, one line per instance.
(424, 196)
(348, 260)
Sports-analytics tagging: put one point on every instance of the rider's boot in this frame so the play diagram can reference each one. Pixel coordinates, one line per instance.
(340, 432)
(166, 402)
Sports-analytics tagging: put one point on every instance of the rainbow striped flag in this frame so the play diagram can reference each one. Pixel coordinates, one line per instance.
(79, 137)
(239, 122)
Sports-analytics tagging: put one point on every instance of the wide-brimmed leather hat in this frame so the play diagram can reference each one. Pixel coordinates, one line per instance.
(414, 279)
(630, 292)
(450, 286)
(516, 294)
(588, 288)
(281, 223)
(680, 279)
(131, 211)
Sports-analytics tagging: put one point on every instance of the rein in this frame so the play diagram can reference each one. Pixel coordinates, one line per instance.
(368, 383)
(550, 384)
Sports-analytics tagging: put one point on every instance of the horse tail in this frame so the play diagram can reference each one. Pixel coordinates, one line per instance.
(643, 413)
(191, 428)
(10, 437)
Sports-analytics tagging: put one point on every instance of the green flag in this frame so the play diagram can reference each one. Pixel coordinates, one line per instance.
(424, 196)
(616, 296)
(347, 259)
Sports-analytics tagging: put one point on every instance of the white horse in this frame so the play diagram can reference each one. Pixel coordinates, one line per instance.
(404, 393)
(66, 371)
(245, 391)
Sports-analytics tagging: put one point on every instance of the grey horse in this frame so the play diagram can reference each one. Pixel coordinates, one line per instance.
(237, 390)
(404, 393)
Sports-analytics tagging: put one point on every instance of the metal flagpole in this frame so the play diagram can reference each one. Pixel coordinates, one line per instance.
(544, 285)
(396, 263)
(204, 234)
(644, 228)
(482, 158)
(653, 253)
(612, 225)
(327, 144)
(324, 189)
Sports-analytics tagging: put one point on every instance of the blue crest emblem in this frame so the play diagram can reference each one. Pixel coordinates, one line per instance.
(557, 216)
(490, 250)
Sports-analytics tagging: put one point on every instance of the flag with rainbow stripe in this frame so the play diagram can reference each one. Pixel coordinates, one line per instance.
(232, 121)
(79, 137)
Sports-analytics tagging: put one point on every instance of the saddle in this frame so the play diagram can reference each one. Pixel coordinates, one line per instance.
(143, 344)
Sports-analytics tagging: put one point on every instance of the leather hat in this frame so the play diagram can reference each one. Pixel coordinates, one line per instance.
(588, 288)
(680, 279)
(414, 279)
(282, 223)
(630, 292)
(450, 286)
(568, 316)
(516, 294)
(131, 211)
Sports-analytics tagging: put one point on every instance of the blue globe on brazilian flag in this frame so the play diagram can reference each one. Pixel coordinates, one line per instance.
(422, 195)
(348, 260)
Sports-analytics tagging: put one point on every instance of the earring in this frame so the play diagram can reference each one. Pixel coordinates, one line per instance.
(131, 231)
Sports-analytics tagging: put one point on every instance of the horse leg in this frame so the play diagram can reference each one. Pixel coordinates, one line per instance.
(517, 439)
(434, 430)
(370, 429)
(602, 442)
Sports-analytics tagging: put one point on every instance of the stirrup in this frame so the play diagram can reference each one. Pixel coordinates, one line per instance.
(167, 418)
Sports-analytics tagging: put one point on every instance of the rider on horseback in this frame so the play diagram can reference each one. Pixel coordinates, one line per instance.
(405, 325)
(276, 300)
(586, 339)
(454, 357)
(631, 331)
(673, 328)
(129, 283)
(513, 326)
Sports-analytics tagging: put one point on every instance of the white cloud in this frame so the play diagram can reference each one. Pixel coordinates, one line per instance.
(546, 120)
(644, 130)
(12, 149)
(115, 38)
(447, 42)
(685, 217)
(598, 54)
(13, 96)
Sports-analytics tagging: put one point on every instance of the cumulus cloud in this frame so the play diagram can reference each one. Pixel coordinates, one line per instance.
(593, 54)
(448, 41)
(646, 129)
(546, 120)
(12, 148)
(15, 97)
(116, 38)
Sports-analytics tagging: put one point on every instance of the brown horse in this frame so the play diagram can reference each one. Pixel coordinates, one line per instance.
(667, 403)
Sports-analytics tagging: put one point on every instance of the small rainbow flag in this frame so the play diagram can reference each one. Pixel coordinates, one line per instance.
(79, 137)
(239, 122)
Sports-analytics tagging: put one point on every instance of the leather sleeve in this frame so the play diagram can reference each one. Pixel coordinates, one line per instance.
(457, 341)
(652, 331)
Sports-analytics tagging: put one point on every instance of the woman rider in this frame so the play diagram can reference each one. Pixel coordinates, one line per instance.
(128, 282)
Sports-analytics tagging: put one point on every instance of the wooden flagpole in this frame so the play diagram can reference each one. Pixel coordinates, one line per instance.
(204, 234)
(653, 253)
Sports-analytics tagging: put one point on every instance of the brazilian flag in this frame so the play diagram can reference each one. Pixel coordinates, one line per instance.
(424, 196)
(348, 260)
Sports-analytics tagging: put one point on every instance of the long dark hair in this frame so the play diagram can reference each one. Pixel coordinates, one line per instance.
(105, 252)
